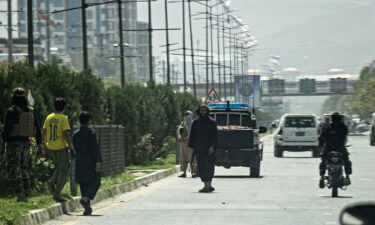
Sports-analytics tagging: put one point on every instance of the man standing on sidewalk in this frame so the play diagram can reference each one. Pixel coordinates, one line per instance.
(186, 153)
(56, 138)
(203, 139)
(19, 126)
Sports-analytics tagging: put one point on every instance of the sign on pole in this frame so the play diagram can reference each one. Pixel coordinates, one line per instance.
(248, 90)
(212, 97)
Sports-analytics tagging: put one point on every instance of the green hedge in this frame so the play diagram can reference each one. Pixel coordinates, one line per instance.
(152, 109)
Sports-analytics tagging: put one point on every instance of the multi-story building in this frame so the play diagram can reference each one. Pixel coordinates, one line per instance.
(143, 53)
(20, 48)
(65, 34)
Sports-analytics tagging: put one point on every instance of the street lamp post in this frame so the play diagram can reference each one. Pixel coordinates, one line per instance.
(167, 43)
(192, 51)
(10, 33)
(84, 36)
(30, 35)
(121, 38)
(184, 45)
(150, 41)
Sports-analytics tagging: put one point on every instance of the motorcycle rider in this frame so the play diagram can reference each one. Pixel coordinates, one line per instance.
(333, 138)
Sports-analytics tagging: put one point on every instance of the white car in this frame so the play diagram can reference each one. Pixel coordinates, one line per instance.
(297, 133)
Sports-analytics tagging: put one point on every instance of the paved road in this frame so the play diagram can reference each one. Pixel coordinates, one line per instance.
(287, 193)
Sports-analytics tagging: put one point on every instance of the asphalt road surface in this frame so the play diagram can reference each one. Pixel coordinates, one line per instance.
(287, 193)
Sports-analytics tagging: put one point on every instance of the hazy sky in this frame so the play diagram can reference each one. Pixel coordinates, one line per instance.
(3, 19)
(311, 35)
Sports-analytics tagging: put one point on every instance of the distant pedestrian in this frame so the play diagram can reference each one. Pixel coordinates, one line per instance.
(88, 161)
(186, 153)
(203, 139)
(20, 125)
(56, 138)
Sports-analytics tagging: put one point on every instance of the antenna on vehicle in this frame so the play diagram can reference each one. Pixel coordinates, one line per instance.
(228, 106)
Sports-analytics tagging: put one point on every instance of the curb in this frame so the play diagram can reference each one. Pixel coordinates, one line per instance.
(358, 134)
(42, 215)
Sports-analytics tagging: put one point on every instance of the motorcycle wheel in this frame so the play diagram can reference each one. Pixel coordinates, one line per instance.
(334, 191)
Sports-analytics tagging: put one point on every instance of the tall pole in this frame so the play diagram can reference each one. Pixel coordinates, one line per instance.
(150, 41)
(224, 63)
(218, 52)
(164, 73)
(48, 32)
(10, 33)
(121, 38)
(243, 60)
(30, 35)
(192, 51)
(167, 43)
(212, 50)
(184, 44)
(207, 79)
(235, 54)
(84, 36)
(230, 62)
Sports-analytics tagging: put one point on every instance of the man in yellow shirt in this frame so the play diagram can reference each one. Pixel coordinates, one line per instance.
(56, 139)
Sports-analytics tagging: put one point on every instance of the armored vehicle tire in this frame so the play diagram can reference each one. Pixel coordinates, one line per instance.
(316, 152)
(372, 142)
(254, 171)
(277, 152)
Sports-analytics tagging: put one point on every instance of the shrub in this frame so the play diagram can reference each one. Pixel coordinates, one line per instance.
(142, 151)
(169, 146)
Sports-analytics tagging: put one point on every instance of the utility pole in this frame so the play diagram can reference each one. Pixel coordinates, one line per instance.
(84, 36)
(10, 33)
(121, 38)
(150, 41)
(30, 35)
(230, 62)
(164, 73)
(48, 32)
(212, 50)
(192, 50)
(218, 52)
(224, 68)
(167, 43)
(184, 44)
(207, 80)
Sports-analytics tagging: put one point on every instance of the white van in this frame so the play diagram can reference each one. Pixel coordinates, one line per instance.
(297, 132)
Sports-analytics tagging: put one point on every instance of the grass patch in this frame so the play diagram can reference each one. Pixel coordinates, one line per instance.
(158, 164)
(108, 182)
(11, 211)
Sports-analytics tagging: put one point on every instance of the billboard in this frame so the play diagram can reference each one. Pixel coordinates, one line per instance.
(248, 90)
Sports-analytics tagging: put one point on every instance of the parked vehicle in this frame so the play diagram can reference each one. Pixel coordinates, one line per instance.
(238, 137)
(335, 178)
(297, 133)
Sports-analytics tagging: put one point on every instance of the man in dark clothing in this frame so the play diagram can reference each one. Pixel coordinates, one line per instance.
(20, 125)
(203, 139)
(334, 138)
(88, 161)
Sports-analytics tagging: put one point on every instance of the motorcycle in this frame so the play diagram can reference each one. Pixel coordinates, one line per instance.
(335, 178)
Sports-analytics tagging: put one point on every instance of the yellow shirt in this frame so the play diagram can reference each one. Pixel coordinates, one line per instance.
(54, 125)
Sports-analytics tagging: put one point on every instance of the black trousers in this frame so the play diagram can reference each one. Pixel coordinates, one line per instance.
(91, 188)
(206, 167)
